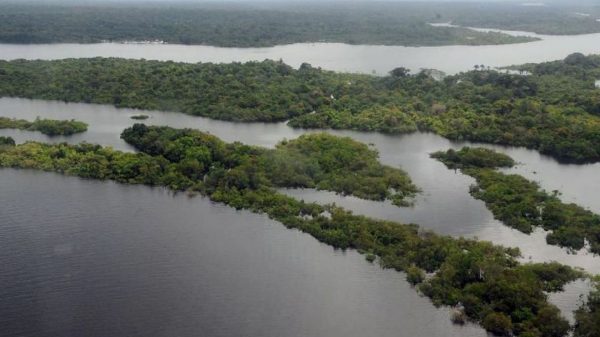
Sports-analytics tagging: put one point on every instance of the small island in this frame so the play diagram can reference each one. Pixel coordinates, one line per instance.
(50, 127)
(468, 157)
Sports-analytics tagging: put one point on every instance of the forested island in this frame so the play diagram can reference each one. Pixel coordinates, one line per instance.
(486, 282)
(555, 110)
(237, 25)
(522, 204)
(50, 127)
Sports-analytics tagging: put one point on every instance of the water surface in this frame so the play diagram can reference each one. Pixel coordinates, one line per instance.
(445, 205)
(95, 258)
(331, 56)
(103, 252)
(89, 258)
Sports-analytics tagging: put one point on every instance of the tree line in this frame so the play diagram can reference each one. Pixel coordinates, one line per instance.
(555, 110)
(233, 25)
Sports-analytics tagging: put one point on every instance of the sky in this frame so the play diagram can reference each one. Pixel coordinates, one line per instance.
(570, 2)
(494, 1)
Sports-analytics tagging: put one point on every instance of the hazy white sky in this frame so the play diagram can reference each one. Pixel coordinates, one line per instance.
(508, 1)
(570, 2)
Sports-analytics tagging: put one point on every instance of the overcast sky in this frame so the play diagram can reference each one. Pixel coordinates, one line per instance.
(514, 1)
(571, 2)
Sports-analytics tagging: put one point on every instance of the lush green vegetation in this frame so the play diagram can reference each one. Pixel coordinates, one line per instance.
(317, 161)
(314, 160)
(255, 91)
(468, 157)
(188, 159)
(522, 204)
(555, 110)
(495, 290)
(587, 317)
(50, 127)
(6, 141)
(553, 20)
(261, 24)
(233, 25)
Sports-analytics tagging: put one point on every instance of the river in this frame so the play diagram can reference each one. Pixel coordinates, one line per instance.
(88, 258)
(445, 205)
(333, 56)
(97, 258)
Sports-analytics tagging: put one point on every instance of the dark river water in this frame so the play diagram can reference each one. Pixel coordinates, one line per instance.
(87, 258)
(101, 259)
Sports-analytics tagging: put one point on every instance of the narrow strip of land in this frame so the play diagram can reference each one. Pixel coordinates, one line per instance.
(50, 127)
(522, 204)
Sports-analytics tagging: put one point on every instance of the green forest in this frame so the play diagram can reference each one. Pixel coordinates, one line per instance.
(50, 127)
(522, 204)
(494, 289)
(551, 107)
(260, 24)
(319, 161)
(236, 25)
(555, 110)
(473, 157)
(587, 317)
(6, 141)
(552, 20)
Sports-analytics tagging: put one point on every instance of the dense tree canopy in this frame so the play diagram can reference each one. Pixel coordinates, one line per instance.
(522, 204)
(587, 317)
(254, 91)
(477, 157)
(486, 280)
(318, 161)
(560, 19)
(234, 25)
(555, 110)
(6, 141)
